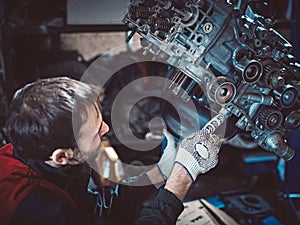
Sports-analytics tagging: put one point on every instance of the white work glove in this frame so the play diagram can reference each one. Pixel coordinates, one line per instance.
(198, 153)
(166, 162)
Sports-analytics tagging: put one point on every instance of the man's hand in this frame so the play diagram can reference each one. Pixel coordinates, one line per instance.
(161, 171)
(198, 153)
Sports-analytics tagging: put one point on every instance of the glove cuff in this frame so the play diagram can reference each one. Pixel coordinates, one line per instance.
(191, 165)
(165, 174)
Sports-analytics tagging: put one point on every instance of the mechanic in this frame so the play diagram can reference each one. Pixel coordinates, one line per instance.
(44, 170)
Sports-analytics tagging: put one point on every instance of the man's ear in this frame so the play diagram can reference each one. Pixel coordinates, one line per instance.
(60, 157)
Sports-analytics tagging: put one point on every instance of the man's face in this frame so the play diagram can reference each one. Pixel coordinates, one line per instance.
(90, 133)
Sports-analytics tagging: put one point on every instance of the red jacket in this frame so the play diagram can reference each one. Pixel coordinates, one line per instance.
(16, 181)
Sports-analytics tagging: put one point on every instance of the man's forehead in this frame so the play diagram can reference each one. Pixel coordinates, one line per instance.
(92, 119)
(90, 114)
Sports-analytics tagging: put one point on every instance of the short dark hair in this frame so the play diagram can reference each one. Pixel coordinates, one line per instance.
(41, 113)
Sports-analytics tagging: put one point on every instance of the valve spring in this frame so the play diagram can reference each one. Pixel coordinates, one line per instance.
(162, 24)
(140, 12)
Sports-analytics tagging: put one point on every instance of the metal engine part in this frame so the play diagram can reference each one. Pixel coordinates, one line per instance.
(242, 64)
(247, 208)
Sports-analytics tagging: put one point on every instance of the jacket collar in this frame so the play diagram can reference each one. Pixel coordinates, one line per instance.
(60, 177)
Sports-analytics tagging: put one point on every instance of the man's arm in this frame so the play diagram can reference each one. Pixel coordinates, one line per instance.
(179, 181)
(197, 154)
(166, 206)
(164, 209)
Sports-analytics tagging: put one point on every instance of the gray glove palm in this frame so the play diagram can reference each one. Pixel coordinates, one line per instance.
(167, 159)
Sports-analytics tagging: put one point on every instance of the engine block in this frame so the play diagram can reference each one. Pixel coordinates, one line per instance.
(242, 64)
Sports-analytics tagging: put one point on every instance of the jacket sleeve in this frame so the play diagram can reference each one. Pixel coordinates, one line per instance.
(44, 207)
(163, 209)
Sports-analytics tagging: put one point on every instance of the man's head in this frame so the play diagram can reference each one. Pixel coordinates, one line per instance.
(47, 116)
